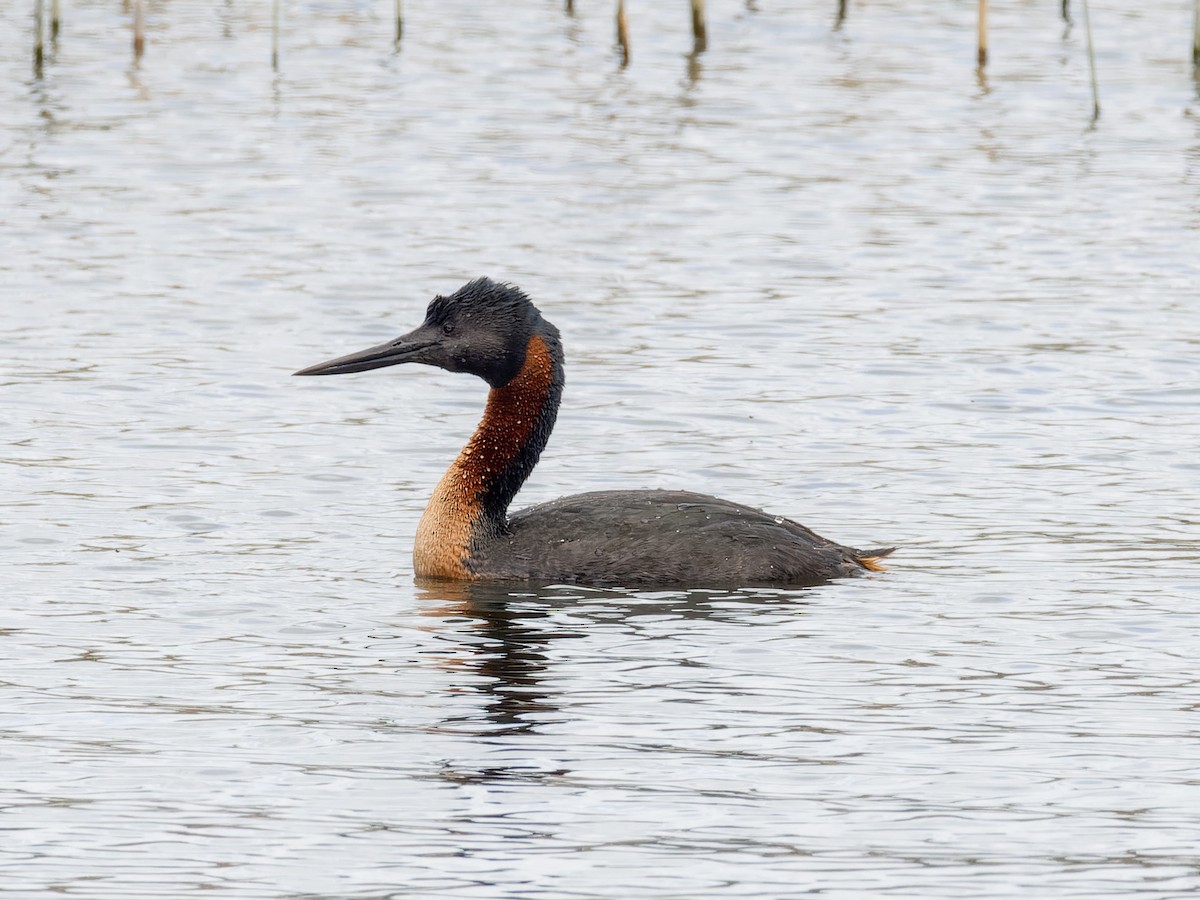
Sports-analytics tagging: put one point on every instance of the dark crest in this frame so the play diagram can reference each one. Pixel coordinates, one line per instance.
(481, 299)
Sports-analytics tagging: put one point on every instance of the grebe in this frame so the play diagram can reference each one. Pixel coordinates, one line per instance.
(494, 331)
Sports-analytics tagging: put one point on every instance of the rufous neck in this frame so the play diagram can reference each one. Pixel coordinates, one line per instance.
(516, 425)
(471, 501)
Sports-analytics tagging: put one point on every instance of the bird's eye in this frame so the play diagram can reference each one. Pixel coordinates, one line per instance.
(448, 328)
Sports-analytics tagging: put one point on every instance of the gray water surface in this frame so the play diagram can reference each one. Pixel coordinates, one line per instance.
(836, 274)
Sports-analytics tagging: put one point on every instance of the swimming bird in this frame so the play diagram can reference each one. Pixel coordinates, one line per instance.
(494, 331)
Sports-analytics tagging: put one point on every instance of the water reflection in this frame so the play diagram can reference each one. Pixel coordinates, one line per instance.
(695, 69)
(504, 636)
(520, 651)
(502, 649)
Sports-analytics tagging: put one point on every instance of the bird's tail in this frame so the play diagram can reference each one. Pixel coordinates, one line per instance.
(870, 559)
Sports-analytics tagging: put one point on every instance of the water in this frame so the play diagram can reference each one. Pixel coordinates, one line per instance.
(836, 275)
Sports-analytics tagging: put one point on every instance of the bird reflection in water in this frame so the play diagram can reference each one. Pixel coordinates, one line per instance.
(503, 651)
(502, 639)
(502, 633)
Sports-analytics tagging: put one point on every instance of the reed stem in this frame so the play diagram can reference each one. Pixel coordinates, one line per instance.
(39, 30)
(1196, 33)
(623, 33)
(399, 20)
(1091, 51)
(983, 35)
(139, 28)
(841, 15)
(699, 28)
(275, 34)
(55, 19)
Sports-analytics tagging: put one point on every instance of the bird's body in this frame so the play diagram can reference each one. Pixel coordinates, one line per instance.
(606, 537)
(661, 537)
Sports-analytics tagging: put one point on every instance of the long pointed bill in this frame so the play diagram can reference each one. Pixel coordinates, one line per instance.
(402, 350)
